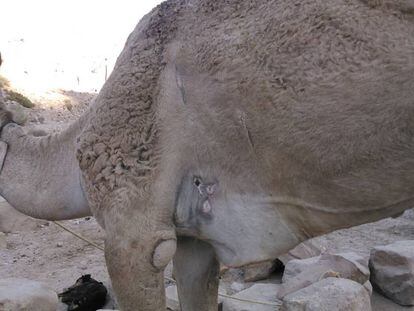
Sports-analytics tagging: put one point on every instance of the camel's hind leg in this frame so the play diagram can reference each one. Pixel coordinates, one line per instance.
(196, 270)
(137, 248)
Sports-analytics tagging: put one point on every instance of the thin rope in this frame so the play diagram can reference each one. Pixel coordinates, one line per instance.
(276, 304)
(78, 235)
(235, 298)
(165, 277)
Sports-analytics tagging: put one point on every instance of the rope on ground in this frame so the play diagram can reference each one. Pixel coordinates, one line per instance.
(78, 235)
(276, 304)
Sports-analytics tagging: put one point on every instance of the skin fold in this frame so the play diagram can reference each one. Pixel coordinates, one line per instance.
(230, 131)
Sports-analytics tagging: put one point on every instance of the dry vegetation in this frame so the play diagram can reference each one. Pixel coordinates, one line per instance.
(13, 95)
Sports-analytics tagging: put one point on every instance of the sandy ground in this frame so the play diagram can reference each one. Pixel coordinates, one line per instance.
(51, 255)
(44, 252)
(55, 109)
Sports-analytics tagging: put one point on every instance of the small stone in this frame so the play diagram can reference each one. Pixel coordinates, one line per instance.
(259, 292)
(59, 244)
(392, 271)
(83, 265)
(258, 271)
(21, 294)
(331, 294)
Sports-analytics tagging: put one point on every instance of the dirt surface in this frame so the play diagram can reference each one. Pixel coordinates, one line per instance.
(55, 109)
(44, 252)
(54, 256)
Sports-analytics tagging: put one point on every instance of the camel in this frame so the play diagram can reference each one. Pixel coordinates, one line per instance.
(230, 131)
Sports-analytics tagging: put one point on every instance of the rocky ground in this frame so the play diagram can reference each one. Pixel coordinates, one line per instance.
(42, 251)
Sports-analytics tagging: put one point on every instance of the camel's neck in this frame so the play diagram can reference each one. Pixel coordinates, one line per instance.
(40, 176)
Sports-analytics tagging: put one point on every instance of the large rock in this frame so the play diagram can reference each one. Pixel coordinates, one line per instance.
(360, 239)
(304, 250)
(392, 271)
(258, 292)
(331, 294)
(11, 220)
(257, 271)
(382, 303)
(18, 112)
(23, 295)
(302, 273)
(350, 263)
(295, 267)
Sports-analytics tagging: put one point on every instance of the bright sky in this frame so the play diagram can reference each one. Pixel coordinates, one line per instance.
(52, 43)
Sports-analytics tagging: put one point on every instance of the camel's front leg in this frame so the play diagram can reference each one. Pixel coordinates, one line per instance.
(196, 270)
(138, 246)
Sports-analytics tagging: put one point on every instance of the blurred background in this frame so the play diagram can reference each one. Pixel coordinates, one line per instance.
(64, 44)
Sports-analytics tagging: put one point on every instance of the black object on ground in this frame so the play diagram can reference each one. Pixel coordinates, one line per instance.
(86, 294)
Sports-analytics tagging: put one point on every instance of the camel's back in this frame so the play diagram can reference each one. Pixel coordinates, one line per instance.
(325, 89)
(295, 44)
